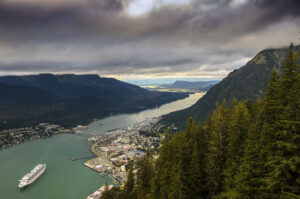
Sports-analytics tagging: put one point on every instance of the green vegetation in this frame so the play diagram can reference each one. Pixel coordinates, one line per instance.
(246, 83)
(69, 100)
(244, 150)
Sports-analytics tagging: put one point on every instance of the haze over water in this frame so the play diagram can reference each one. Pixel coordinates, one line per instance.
(66, 179)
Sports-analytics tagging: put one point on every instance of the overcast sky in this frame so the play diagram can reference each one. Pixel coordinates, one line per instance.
(138, 39)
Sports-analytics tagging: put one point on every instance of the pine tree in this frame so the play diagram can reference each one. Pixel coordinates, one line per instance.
(249, 150)
(178, 189)
(248, 182)
(190, 131)
(198, 189)
(217, 127)
(272, 106)
(144, 175)
(161, 175)
(283, 180)
(181, 158)
(129, 185)
(238, 125)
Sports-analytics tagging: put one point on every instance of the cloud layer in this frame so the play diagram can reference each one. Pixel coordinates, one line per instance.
(206, 38)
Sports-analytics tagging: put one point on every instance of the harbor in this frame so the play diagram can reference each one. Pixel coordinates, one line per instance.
(70, 179)
(119, 148)
(81, 158)
(98, 165)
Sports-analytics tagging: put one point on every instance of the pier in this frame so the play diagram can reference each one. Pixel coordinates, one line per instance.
(85, 133)
(80, 158)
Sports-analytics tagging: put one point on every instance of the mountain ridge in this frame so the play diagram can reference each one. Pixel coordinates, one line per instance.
(71, 99)
(246, 83)
(195, 85)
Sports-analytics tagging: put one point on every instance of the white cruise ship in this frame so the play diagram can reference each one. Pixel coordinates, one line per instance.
(29, 178)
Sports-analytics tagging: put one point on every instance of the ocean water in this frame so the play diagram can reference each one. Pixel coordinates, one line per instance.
(66, 179)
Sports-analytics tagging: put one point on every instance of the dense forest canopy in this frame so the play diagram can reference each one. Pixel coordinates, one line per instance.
(244, 150)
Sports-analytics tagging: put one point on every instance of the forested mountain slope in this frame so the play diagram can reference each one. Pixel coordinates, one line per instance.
(247, 150)
(71, 99)
(247, 82)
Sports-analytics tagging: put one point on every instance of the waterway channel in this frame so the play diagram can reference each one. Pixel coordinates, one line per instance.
(64, 178)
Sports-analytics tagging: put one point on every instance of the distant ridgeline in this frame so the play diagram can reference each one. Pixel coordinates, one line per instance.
(71, 99)
(245, 150)
(246, 83)
(199, 85)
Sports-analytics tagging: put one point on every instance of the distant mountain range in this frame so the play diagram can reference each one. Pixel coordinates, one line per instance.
(71, 99)
(248, 82)
(199, 85)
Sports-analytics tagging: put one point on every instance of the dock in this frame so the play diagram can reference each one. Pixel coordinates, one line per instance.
(99, 165)
(80, 158)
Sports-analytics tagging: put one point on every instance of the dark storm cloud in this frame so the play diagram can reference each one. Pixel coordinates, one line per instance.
(39, 22)
(105, 16)
(100, 34)
(62, 66)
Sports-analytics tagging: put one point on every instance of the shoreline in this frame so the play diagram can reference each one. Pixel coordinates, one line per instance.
(65, 147)
(87, 123)
(65, 131)
(117, 149)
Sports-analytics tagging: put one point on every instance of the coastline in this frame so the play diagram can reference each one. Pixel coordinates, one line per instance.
(84, 122)
(118, 149)
(70, 121)
(40, 136)
(57, 152)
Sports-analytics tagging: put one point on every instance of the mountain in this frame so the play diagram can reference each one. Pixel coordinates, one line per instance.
(199, 85)
(247, 82)
(71, 99)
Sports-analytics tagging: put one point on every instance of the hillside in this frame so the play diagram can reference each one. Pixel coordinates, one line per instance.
(247, 82)
(245, 150)
(199, 85)
(71, 99)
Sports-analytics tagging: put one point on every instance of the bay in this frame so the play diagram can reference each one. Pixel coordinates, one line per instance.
(66, 179)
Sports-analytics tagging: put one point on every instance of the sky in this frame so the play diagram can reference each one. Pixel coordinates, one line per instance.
(136, 40)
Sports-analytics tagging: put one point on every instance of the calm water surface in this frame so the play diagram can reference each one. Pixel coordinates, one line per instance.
(66, 179)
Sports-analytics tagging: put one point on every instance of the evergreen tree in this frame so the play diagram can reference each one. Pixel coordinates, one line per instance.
(249, 150)
(238, 125)
(144, 175)
(129, 185)
(161, 175)
(180, 160)
(283, 179)
(197, 175)
(272, 106)
(217, 127)
(175, 182)
(178, 189)
(248, 182)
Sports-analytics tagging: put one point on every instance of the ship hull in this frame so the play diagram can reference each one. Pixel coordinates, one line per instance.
(33, 179)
